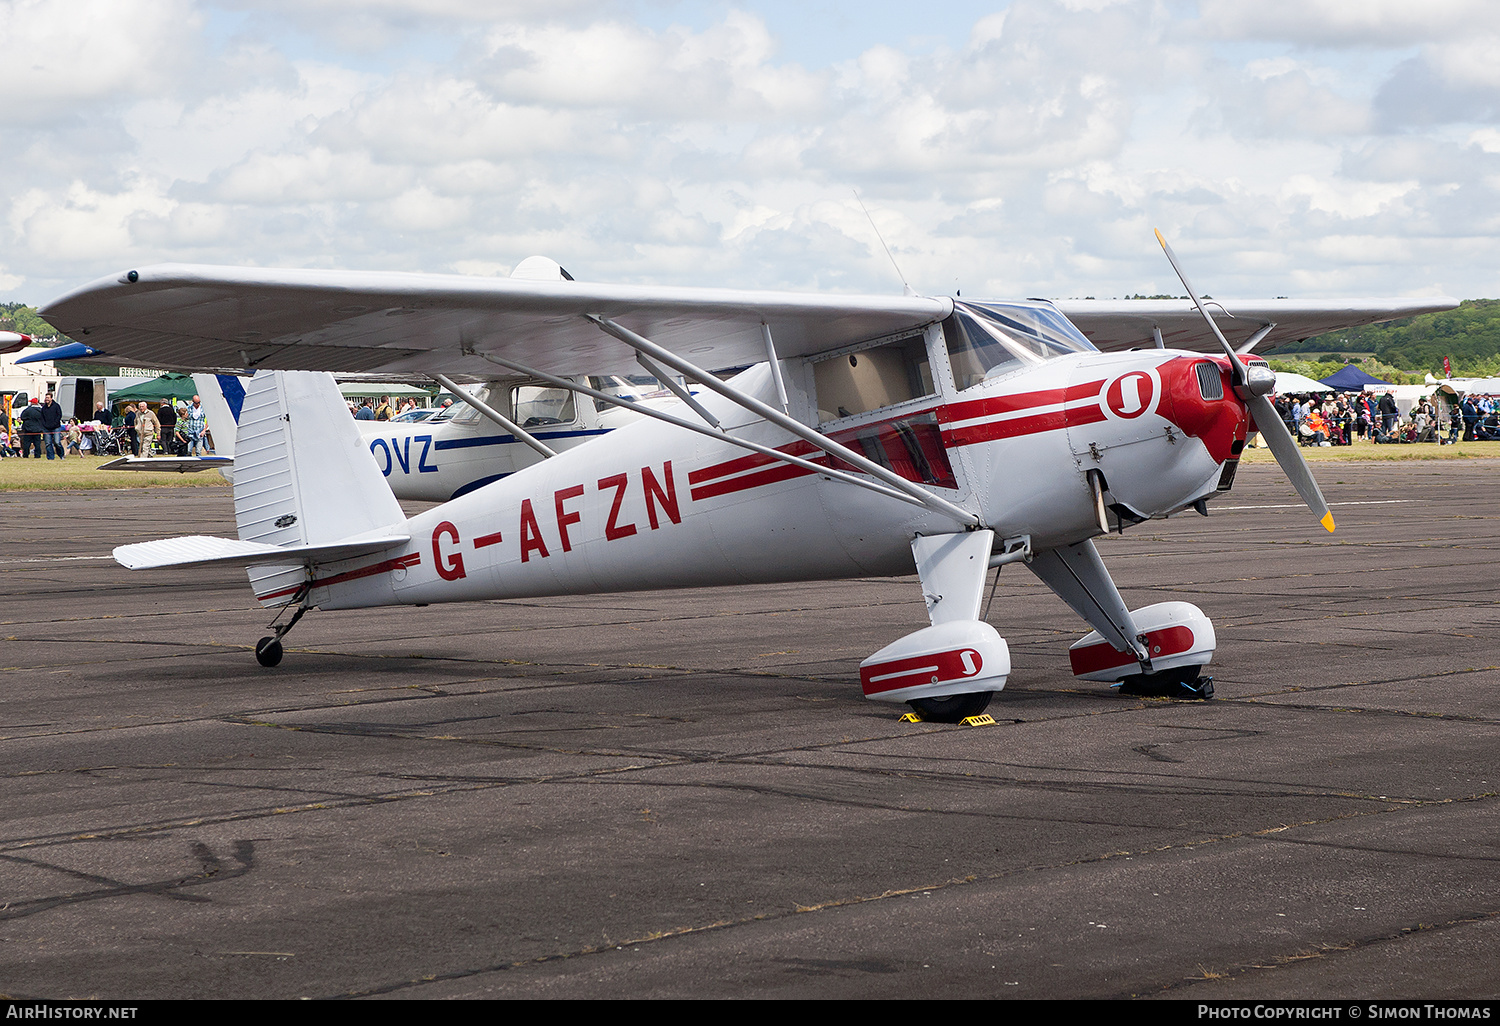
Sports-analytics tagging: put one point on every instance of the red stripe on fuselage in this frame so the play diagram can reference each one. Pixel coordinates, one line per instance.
(998, 404)
(413, 559)
(781, 472)
(750, 462)
(989, 431)
(719, 478)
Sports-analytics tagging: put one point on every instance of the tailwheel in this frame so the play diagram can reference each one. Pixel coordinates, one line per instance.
(951, 708)
(1183, 682)
(268, 651)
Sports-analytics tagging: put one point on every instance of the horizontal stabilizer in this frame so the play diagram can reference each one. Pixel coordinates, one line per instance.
(169, 464)
(201, 550)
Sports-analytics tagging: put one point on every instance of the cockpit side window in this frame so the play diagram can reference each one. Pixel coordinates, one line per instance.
(869, 379)
(541, 405)
(462, 413)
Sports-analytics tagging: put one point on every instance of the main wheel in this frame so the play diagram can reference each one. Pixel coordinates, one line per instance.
(1184, 682)
(951, 708)
(268, 651)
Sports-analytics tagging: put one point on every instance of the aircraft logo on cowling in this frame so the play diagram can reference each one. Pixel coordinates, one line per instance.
(1131, 395)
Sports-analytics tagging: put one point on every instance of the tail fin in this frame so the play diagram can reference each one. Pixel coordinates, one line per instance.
(302, 474)
(222, 395)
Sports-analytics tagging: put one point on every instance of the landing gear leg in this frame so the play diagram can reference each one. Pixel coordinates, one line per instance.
(268, 651)
(946, 672)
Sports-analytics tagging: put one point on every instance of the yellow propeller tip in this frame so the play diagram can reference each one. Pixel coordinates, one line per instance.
(1158, 236)
(1327, 522)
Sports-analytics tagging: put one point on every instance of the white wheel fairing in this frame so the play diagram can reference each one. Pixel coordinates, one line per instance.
(955, 658)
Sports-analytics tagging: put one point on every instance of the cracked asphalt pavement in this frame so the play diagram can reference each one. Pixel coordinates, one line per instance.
(683, 794)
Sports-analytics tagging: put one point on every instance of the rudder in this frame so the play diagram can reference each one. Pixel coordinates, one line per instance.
(302, 475)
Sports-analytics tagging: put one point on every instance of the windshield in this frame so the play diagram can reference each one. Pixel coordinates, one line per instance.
(1037, 325)
(988, 339)
(630, 387)
(461, 412)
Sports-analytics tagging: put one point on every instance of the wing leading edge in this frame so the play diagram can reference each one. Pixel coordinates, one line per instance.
(229, 318)
(389, 323)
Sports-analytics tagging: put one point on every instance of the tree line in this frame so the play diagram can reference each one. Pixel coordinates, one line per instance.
(23, 318)
(1469, 336)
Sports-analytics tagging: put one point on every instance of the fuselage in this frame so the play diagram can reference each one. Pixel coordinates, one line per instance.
(1034, 449)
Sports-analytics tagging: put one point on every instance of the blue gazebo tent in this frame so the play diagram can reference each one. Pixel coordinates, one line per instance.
(1352, 379)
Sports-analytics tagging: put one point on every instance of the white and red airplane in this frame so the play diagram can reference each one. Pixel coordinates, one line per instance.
(873, 436)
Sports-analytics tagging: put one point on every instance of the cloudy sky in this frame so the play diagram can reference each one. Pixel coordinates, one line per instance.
(1306, 148)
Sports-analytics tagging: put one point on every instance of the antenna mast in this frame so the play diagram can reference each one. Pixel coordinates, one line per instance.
(905, 286)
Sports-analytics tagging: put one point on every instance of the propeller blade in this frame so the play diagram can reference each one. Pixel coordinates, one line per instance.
(1267, 421)
(1284, 448)
(1236, 369)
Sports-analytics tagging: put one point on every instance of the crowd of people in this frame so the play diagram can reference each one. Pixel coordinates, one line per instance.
(178, 428)
(383, 409)
(1344, 418)
(174, 427)
(181, 428)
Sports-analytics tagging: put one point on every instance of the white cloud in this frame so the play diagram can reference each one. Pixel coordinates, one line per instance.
(722, 74)
(1285, 146)
(1290, 101)
(81, 223)
(311, 176)
(1469, 63)
(1343, 198)
(420, 209)
(1336, 23)
(1487, 139)
(60, 57)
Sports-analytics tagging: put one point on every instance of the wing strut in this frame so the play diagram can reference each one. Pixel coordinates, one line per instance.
(936, 503)
(765, 330)
(1254, 340)
(493, 414)
(687, 425)
(687, 397)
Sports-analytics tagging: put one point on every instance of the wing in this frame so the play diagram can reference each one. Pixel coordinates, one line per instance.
(1116, 324)
(169, 464)
(230, 318)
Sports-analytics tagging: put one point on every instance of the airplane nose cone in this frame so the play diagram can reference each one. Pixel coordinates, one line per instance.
(1260, 379)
